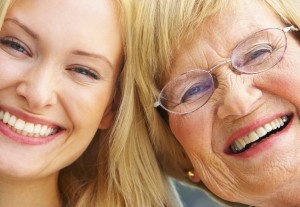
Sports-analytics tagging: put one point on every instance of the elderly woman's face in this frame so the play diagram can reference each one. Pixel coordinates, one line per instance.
(232, 140)
(59, 61)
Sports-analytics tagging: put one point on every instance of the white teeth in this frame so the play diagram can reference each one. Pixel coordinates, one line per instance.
(19, 124)
(261, 131)
(280, 122)
(12, 120)
(268, 127)
(241, 143)
(37, 128)
(277, 123)
(6, 117)
(25, 128)
(48, 131)
(248, 139)
(43, 130)
(29, 127)
(253, 136)
(273, 125)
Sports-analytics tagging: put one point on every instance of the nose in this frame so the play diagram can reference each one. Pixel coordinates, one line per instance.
(240, 97)
(37, 87)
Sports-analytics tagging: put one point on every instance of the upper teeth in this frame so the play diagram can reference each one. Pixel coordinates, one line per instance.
(253, 136)
(26, 128)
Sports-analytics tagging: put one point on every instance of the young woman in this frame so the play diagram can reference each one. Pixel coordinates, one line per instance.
(59, 62)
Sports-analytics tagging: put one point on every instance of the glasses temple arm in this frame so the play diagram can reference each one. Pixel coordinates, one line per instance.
(290, 28)
(156, 104)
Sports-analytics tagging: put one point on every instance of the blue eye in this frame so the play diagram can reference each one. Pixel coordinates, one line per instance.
(13, 44)
(195, 92)
(86, 72)
(257, 55)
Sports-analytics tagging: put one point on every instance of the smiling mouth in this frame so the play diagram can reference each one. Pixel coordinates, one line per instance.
(26, 128)
(259, 134)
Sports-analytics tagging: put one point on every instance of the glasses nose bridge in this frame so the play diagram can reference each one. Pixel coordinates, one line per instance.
(219, 65)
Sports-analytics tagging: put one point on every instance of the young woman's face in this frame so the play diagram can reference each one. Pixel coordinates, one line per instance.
(59, 62)
(238, 107)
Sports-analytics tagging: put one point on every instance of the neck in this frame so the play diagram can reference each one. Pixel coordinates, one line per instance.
(42, 192)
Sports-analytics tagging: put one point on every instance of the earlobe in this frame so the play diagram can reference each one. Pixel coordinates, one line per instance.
(193, 176)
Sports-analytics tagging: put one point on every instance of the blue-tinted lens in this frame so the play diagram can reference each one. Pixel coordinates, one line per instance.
(187, 92)
(260, 51)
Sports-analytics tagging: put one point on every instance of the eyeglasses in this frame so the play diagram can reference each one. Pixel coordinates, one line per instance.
(255, 54)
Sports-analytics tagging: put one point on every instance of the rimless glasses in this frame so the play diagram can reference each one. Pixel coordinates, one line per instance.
(257, 53)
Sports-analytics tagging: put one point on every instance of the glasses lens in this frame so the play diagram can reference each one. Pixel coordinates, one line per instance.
(260, 51)
(187, 92)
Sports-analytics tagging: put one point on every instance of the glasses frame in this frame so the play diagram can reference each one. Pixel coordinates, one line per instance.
(158, 102)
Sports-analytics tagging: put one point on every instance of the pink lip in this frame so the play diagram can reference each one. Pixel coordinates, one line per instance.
(5, 130)
(246, 130)
(8, 132)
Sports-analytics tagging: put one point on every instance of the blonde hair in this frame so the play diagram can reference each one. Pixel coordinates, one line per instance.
(134, 169)
(4, 5)
(87, 181)
(119, 168)
(159, 28)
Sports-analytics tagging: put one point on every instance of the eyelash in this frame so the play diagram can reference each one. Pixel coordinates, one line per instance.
(86, 72)
(14, 45)
(19, 47)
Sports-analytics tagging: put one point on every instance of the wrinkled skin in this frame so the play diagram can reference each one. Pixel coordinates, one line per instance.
(268, 174)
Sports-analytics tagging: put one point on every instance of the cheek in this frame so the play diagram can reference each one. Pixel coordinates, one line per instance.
(190, 131)
(9, 72)
(85, 105)
(283, 82)
(84, 118)
(86, 113)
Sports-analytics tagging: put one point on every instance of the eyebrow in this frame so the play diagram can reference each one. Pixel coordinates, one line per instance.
(76, 52)
(23, 26)
(93, 55)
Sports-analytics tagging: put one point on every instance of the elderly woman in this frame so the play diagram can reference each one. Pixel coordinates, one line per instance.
(223, 79)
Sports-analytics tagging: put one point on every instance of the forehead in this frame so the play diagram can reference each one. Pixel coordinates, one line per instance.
(67, 11)
(215, 39)
(91, 25)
